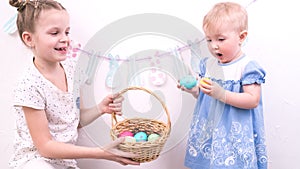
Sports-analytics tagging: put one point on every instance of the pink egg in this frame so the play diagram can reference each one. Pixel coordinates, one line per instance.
(126, 133)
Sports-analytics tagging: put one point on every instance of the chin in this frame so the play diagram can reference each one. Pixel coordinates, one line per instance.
(62, 58)
(222, 60)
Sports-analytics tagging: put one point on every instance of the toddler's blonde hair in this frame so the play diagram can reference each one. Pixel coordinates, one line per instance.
(226, 13)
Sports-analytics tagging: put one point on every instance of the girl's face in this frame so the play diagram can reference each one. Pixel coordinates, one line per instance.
(50, 41)
(224, 43)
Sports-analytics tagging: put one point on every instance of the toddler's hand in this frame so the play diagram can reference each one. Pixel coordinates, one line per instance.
(212, 89)
(194, 91)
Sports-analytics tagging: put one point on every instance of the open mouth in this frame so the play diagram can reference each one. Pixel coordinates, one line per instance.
(219, 54)
(61, 49)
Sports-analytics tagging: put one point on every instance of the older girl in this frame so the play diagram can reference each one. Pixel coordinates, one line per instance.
(46, 100)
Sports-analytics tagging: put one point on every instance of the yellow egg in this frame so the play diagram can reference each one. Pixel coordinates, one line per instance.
(203, 82)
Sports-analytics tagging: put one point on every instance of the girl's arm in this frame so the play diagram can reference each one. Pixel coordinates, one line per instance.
(110, 104)
(49, 148)
(248, 99)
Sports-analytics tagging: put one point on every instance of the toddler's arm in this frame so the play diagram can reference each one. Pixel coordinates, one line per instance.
(246, 100)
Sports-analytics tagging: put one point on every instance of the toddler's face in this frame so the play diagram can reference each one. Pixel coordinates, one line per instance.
(224, 43)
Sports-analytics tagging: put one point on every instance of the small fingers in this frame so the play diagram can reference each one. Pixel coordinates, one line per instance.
(116, 107)
(118, 99)
(182, 88)
(123, 153)
(129, 161)
(126, 161)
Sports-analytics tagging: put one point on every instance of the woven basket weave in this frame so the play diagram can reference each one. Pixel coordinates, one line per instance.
(149, 150)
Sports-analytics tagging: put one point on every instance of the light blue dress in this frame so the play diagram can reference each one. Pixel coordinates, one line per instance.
(222, 136)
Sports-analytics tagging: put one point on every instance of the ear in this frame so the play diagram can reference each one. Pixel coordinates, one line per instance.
(243, 36)
(27, 38)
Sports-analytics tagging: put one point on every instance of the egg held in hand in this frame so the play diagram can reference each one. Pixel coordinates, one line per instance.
(188, 81)
(203, 82)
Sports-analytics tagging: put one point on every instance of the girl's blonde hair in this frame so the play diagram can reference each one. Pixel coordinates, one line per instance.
(29, 12)
(226, 13)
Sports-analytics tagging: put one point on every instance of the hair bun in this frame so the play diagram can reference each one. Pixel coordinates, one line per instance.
(16, 3)
(19, 4)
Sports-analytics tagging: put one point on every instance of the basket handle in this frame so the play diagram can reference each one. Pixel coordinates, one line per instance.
(113, 115)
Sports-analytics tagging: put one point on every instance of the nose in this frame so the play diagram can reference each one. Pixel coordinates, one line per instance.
(215, 45)
(65, 39)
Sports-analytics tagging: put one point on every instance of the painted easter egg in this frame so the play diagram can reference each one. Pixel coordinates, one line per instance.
(153, 137)
(126, 133)
(188, 81)
(140, 136)
(203, 82)
(130, 139)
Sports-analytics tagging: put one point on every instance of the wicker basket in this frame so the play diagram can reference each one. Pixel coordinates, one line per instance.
(149, 150)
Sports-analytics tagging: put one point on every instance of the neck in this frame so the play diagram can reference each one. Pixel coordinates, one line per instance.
(237, 56)
(53, 72)
(46, 67)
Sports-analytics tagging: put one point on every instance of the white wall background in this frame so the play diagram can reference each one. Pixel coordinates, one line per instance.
(273, 41)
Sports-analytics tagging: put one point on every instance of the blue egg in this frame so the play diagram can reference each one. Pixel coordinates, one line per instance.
(188, 81)
(140, 136)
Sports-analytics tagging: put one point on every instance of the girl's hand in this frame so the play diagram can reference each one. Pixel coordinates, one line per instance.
(212, 89)
(111, 104)
(194, 91)
(113, 154)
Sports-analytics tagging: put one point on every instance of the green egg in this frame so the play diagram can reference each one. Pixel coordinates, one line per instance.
(153, 137)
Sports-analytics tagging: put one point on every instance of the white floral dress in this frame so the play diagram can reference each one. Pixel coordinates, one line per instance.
(62, 111)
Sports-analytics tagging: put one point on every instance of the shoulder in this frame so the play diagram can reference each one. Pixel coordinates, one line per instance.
(30, 76)
(31, 81)
(29, 89)
(253, 72)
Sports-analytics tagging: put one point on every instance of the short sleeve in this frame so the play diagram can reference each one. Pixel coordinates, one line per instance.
(29, 96)
(253, 73)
